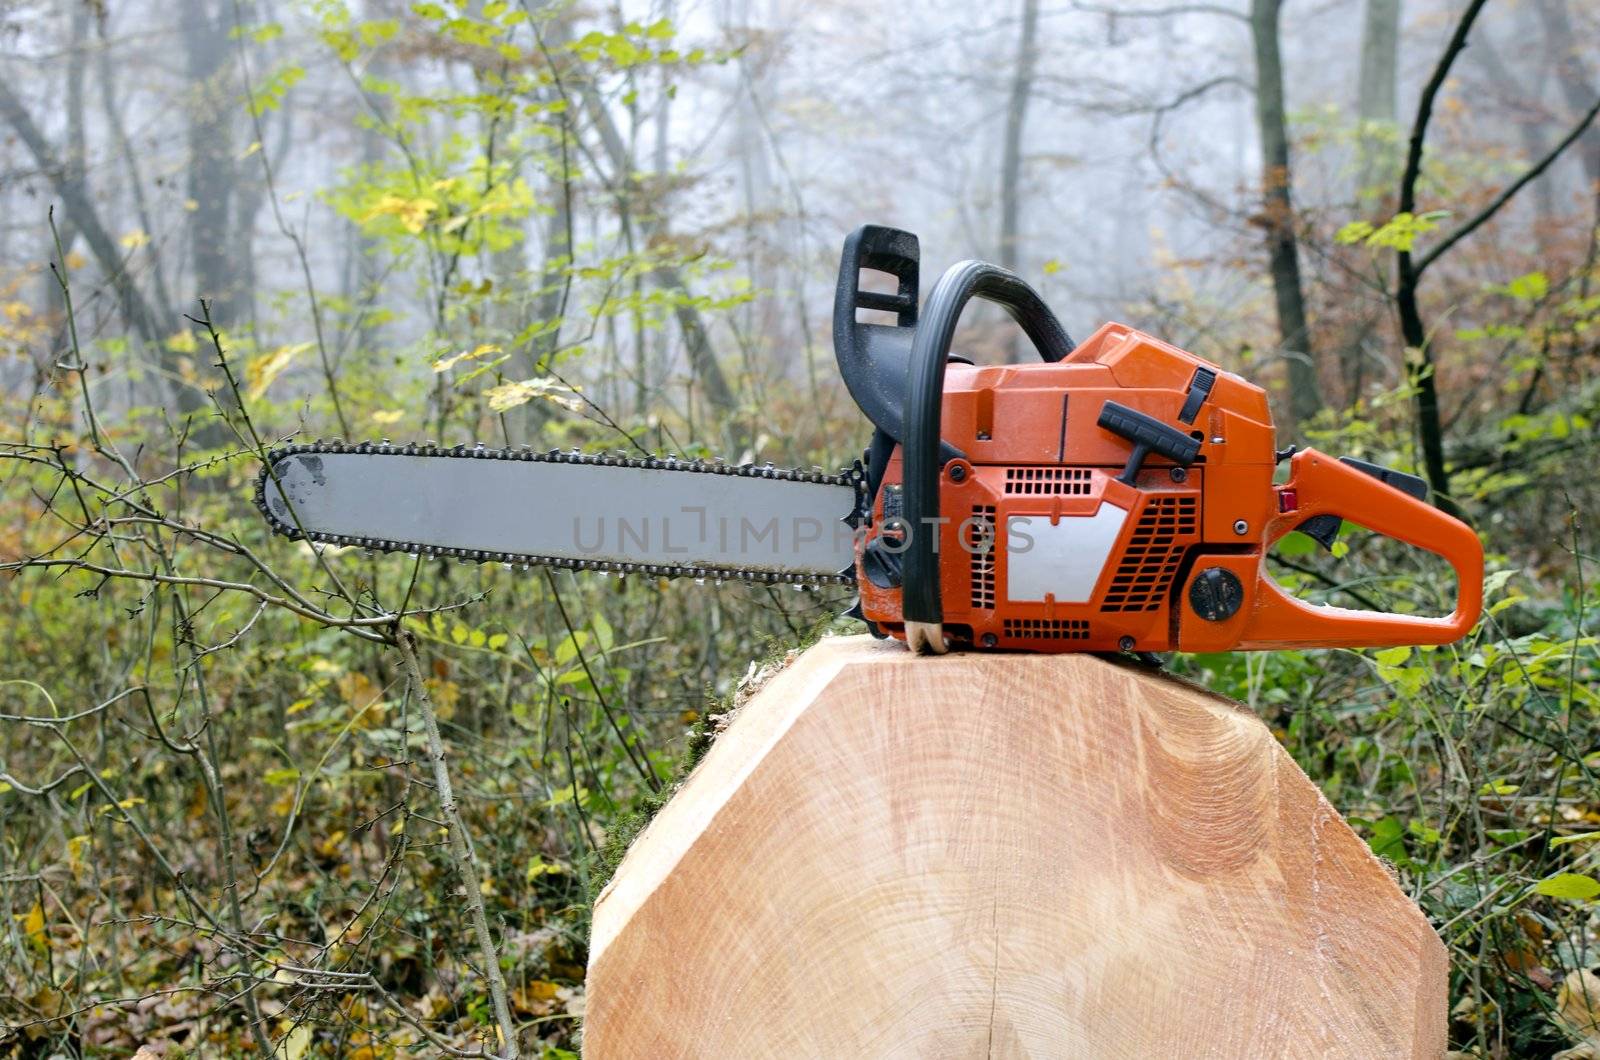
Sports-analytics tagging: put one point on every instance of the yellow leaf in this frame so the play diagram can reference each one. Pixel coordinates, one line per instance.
(329, 846)
(1052, 266)
(508, 396)
(444, 364)
(446, 694)
(76, 260)
(33, 925)
(182, 342)
(75, 847)
(358, 690)
(384, 417)
(412, 214)
(261, 371)
(295, 1044)
(135, 239)
(538, 866)
(255, 145)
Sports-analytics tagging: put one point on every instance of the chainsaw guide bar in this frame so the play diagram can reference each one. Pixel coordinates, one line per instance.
(298, 472)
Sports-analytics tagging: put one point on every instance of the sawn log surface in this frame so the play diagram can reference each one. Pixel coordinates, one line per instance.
(1010, 856)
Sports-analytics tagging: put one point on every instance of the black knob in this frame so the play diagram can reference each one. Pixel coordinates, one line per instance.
(1216, 594)
(882, 565)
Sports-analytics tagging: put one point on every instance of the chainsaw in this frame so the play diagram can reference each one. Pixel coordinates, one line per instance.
(1118, 495)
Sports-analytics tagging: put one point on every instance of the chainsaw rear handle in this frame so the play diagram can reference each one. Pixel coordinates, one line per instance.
(922, 447)
(1320, 486)
(872, 357)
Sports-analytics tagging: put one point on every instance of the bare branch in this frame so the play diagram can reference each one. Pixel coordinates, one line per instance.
(1505, 196)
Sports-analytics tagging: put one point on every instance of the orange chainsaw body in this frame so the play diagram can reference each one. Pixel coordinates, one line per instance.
(1040, 547)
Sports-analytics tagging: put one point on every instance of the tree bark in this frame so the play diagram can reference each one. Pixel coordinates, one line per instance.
(1377, 106)
(1305, 398)
(1574, 77)
(1016, 119)
(210, 173)
(1419, 358)
(69, 184)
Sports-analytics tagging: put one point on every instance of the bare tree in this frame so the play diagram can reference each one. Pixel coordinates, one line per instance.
(1016, 119)
(213, 251)
(1574, 77)
(1277, 213)
(1420, 362)
(1377, 105)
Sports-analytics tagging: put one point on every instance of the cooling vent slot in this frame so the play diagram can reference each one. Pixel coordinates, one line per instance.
(1047, 628)
(1143, 578)
(1050, 481)
(980, 548)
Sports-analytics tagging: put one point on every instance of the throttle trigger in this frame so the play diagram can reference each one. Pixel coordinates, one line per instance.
(1323, 529)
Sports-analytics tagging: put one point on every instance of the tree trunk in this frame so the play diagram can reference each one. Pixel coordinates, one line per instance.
(210, 173)
(76, 204)
(1294, 335)
(1377, 106)
(1070, 860)
(1011, 152)
(1419, 358)
(1574, 77)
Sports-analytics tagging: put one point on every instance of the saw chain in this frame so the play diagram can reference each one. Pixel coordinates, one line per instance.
(853, 477)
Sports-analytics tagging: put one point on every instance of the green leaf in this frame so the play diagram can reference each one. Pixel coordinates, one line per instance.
(281, 777)
(567, 650)
(1581, 837)
(1529, 287)
(1569, 885)
(1295, 544)
(1388, 839)
(1353, 233)
(1393, 656)
(497, 641)
(603, 632)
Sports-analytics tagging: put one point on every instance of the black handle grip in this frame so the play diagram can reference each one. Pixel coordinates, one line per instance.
(930, 350)
(1147, 434)
(872, 357)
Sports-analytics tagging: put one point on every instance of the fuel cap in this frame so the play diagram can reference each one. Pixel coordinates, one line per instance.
(1216, 594)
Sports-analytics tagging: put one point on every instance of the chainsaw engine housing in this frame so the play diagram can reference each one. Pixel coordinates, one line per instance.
(1040, 546)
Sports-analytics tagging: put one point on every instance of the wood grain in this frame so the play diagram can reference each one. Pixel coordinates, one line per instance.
(1003, 855)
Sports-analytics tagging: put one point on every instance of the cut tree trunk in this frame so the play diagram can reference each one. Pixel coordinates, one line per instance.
(1003, 855)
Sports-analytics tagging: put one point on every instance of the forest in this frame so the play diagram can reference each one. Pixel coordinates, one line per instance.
(260, 797)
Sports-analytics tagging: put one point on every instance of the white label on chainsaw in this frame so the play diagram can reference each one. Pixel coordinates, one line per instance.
(1063, 560)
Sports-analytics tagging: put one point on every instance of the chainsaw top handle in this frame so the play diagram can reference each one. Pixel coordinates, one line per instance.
(923, 452)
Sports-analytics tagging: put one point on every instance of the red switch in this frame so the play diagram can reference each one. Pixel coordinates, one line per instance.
(1288, 500)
